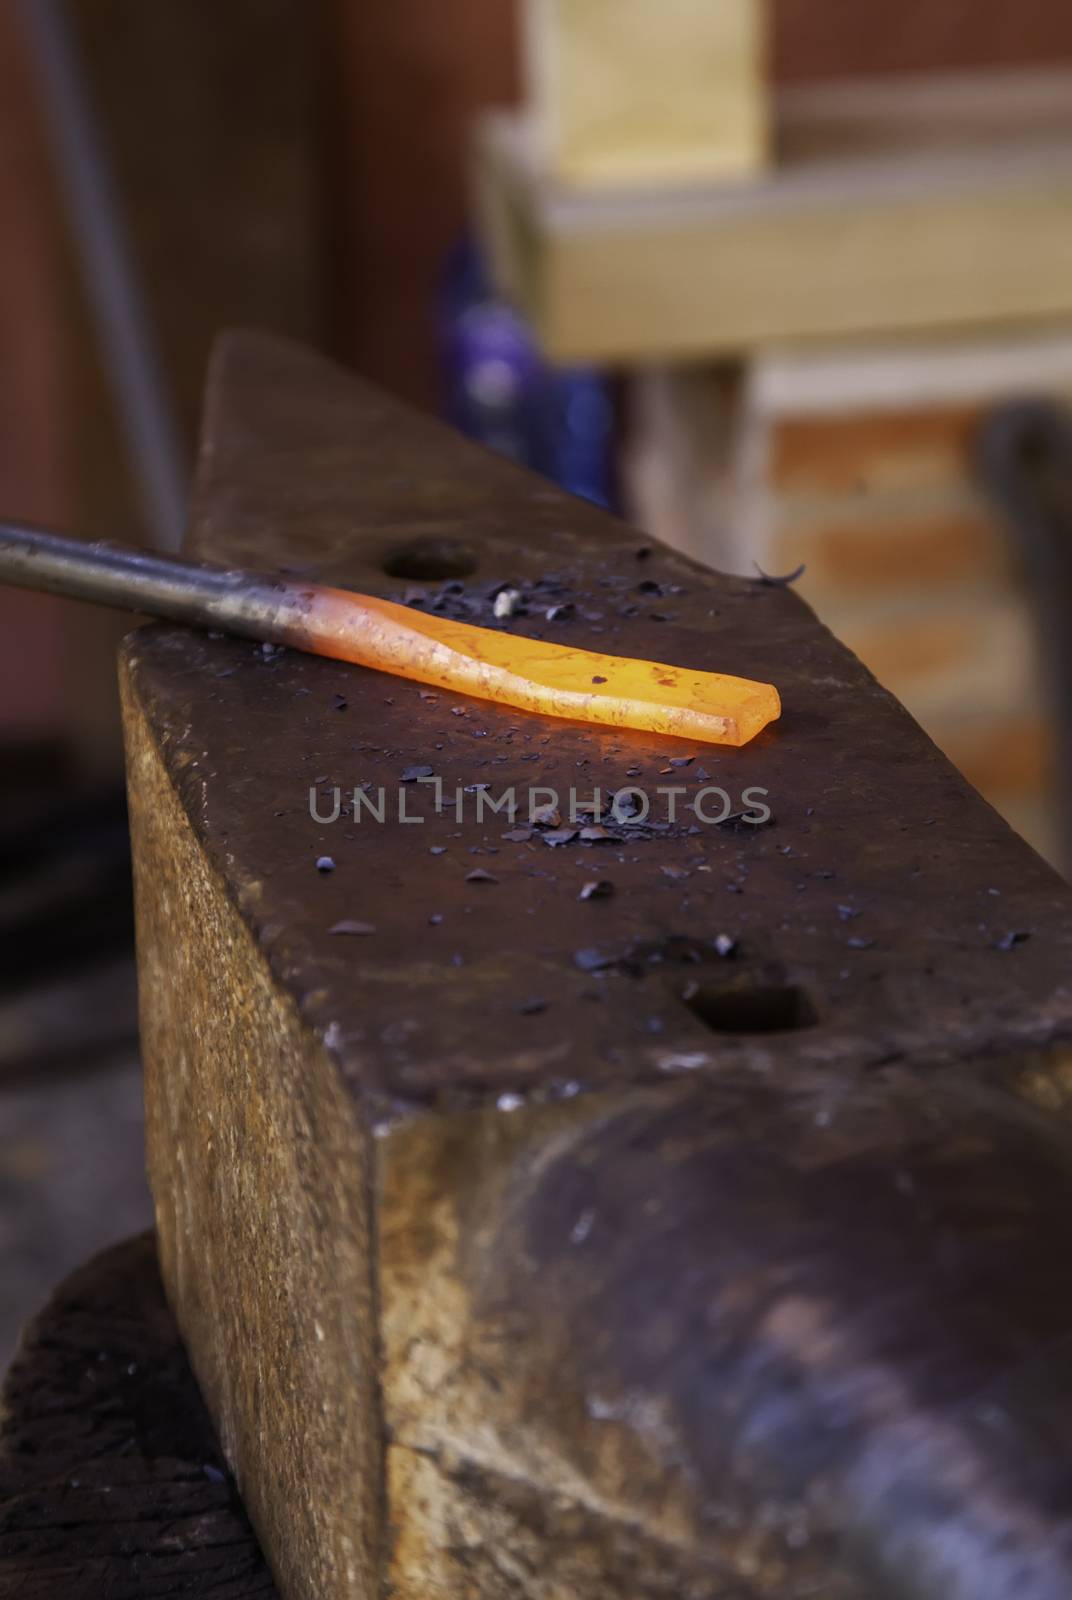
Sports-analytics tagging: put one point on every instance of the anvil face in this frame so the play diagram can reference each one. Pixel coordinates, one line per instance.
(639, 1202)
(883, 909)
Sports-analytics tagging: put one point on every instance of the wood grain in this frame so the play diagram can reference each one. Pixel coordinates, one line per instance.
(112, 1483)
(897, 208)
(623, 92)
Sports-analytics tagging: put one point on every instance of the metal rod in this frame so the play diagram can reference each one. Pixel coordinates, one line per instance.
(251, 604)
(122, 321)
(530, 674)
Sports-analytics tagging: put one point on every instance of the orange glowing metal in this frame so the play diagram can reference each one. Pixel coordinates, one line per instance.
(553, 679)
(533, 675)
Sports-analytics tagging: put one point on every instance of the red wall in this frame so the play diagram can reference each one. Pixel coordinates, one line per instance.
(840, 38)
(402, 81)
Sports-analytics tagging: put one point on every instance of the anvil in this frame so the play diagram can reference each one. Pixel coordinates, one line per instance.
(600, 1203)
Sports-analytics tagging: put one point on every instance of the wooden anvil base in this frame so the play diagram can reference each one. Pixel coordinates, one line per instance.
(700, 1235)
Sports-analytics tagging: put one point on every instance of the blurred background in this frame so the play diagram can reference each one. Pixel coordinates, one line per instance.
(789, 284)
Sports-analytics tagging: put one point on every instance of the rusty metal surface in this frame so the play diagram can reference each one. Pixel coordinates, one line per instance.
(780, 1310)
(886, 911)
(811, 1338)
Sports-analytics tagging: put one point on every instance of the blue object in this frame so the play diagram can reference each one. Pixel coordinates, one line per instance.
(499, 390)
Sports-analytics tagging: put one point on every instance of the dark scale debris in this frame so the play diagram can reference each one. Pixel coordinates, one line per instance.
(597, 889)
(593, 959)
(639, 955)
(554, 597)
(551, 597)
(738, 822)
(782, 580)
(625, 804)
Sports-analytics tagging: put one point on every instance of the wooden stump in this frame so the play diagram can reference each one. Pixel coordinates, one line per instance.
(112, 1483)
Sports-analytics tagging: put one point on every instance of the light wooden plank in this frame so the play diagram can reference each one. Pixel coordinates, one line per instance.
(627, 91)
(910, 207)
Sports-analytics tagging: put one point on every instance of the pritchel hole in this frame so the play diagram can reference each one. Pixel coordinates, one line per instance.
(431, 560)
(750, 1007)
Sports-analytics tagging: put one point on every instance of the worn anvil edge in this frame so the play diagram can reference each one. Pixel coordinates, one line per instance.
(293, 964)
(300, 462)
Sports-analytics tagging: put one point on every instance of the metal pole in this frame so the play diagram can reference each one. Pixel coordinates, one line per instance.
(255, 605)
(127, 346)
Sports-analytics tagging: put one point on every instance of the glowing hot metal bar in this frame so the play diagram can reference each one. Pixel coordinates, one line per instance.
(557, 680)
(531, 674)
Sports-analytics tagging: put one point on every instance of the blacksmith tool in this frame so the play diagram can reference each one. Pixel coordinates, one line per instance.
(531, 674)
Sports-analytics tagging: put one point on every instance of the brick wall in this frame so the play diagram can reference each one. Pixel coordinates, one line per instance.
(857, 463)
(915, 572)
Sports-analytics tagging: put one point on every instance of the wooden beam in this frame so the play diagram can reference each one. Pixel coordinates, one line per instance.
(894, 207)
(627, 92)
